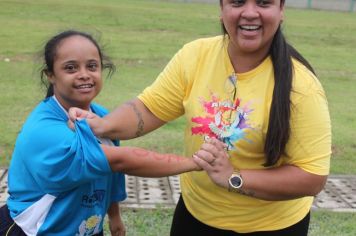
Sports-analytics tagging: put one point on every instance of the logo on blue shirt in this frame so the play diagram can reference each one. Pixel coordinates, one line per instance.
(91, 200)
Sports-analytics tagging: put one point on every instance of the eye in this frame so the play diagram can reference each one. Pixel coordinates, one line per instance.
(70, 68)
(238, 2)
(92, 66)
(263, 3)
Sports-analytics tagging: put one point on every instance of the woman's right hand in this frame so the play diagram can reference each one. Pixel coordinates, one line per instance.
(214, 159)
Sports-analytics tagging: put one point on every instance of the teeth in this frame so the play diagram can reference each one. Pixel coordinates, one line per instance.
(85, 86)
(250, 27)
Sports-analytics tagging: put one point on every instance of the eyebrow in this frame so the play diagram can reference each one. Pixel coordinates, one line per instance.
(75, 61)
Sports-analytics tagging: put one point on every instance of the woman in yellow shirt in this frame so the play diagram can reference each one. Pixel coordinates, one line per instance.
(253, 91)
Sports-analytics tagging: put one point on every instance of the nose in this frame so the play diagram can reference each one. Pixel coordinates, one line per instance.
(84, 74)
(250, 10)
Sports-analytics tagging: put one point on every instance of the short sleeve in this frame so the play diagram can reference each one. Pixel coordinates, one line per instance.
(64, 159)
(118, 189)
(164, 97)
(309, 146)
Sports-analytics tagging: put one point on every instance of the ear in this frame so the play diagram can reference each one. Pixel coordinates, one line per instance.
(282, 13)
(221, 5)
(50, 77)
(282, 18)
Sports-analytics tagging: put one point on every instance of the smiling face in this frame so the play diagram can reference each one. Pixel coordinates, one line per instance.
(76, 76)
(251, 24)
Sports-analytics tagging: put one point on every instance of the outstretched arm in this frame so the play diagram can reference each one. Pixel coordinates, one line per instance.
(144, 163)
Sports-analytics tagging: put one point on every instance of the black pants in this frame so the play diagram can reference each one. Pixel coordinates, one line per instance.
(7, 225)
(185, 224)
(9, 228)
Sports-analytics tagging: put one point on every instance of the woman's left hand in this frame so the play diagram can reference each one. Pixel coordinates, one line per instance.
(117, 227)
(214, 159)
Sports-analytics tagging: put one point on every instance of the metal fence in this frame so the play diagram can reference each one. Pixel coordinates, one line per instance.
(336, 5)
(333, 5)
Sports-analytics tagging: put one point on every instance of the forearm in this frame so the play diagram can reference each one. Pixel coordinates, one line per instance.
(274, 184)
(116, 224)
(282, 183)
(130, 120)
(141, 162)
(114, 211)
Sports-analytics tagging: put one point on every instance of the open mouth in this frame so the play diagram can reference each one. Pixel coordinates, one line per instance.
(250, 27)
(84, 86)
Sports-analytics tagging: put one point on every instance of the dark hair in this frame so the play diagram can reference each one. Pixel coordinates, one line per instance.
(50, 51)
(278, 131)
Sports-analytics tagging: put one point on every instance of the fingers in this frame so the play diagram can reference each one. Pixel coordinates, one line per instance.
(71, 124)
(206, 155)
(212, 155)
(202, 163)
(217, 143)
(212, 149)
(79, 114)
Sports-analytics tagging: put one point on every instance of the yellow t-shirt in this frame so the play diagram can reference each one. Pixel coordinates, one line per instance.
(195, 84)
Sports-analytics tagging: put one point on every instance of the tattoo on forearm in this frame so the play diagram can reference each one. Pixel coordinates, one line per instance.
(247, 193)
(140, 122)
(138, 152)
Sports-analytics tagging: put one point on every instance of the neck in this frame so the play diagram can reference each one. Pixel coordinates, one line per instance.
(66, 107)
(243, 62)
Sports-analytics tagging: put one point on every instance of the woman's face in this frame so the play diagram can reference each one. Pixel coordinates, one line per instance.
(76, 76)
(251, 24)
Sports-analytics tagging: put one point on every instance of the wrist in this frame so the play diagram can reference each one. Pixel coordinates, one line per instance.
(106, 129)
(235, 182)
(192, 165)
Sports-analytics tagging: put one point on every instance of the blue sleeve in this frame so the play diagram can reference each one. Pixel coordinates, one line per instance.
(61, 159)
(118, 187)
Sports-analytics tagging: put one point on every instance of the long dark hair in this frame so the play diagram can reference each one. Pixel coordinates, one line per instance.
(50, 51)
(278, 131)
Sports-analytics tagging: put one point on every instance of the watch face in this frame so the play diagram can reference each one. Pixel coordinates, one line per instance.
(235, 181)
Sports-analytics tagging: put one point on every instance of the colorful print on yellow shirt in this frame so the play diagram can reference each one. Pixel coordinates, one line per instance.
(225, 120)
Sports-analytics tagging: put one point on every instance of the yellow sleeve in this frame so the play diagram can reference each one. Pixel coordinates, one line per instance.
(309, 146)
(164, 98)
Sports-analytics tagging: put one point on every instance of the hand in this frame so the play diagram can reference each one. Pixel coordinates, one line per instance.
(79, 114)
(117, 227)
(76, 113)
(214, 159)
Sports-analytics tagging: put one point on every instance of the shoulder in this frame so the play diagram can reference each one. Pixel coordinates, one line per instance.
(203, 51)
(305, 83)
(46, 125)
(202, 45)
(46, 113)
(206, 41)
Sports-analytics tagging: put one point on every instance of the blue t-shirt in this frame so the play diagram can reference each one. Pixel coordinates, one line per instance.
(60, 182)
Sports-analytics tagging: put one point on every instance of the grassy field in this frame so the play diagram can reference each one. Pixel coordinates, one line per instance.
(141, 36)
(157, 223)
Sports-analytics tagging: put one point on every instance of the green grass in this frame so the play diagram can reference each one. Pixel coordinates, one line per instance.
(157, 222)
(141, 36)
(143, 222)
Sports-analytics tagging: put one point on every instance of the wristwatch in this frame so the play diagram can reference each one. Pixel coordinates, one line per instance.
(235, 182)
